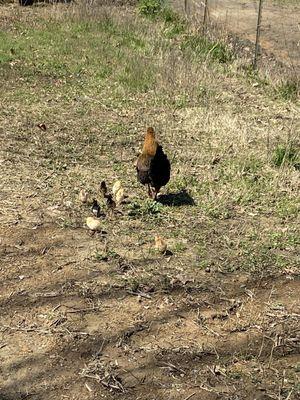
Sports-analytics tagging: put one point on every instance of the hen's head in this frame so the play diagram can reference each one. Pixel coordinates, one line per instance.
(150, 132)
(150, 144)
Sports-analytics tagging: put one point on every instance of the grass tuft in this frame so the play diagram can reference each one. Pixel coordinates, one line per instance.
(288, 90)
(147, 208)
(201, 47)
(286, 155)
(150, 8)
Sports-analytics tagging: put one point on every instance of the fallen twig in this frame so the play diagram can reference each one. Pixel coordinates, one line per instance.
(44, 331)
(190, 396)
(88, 387)
(76, 310)
(172, 366)
(142, 294)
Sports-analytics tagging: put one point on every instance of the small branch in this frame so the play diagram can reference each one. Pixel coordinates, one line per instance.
(139, 294)
(44, 331)
(88, 387)
(82, 310)
(261, 347)
(190, 396)
(271, 356)
(172, 366)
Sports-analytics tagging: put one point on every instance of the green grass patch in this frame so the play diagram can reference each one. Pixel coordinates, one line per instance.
(83, 52)
(174, 24)
(286, 155)
(201, 47)
(150, 8)
(146, 208)
(288, 90)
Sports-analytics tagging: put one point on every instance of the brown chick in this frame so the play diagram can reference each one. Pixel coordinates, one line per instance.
(153, 167)
(111, 205)
(83, 196)
(160, 244)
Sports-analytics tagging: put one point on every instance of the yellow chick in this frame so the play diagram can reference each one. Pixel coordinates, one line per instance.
(116, 187)
(160, 244)
(83, 196)
(119, 196)
(93, 224)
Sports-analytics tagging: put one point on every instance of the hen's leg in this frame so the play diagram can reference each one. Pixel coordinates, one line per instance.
(149, 191)
(155, 193)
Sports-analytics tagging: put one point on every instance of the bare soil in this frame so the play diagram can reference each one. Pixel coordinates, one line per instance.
(68, 330)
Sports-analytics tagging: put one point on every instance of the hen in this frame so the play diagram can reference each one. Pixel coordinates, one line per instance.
(153, 167)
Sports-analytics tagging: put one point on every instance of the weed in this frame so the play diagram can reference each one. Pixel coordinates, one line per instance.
(179, 247)
(170, 16)
(174, 24)
(286, 155)
(235, 375)
(137, 75)
(288, 90)
(251, 166)
(181, 101)
(150, 8)
(201, 47)
(181, 183)
(152, 207)
(108, 255)
(66, 223)
(98, 256)
(204, 93)
(147, 208)
(287, 208)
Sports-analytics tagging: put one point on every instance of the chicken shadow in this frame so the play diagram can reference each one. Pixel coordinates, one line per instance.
(181, 198)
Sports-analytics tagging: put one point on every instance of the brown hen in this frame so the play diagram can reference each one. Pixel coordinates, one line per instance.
(153, 167)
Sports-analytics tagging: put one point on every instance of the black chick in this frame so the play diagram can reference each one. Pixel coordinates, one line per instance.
(111, 204)
(103, 188)
(95, 208)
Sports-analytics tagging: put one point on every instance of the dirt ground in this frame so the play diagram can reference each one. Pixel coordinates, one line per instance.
(104, 316)
(280, 33)
(66, 326)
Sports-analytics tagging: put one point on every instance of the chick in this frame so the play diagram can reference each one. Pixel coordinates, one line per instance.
(93, 224)
(116, 187)
(103, 188)
(153, 167)
(120, 196)
(160, 244)
(111, 205)
(95, 208)
(83, 196)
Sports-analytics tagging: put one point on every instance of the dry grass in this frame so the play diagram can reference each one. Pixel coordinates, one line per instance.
(105, 315)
